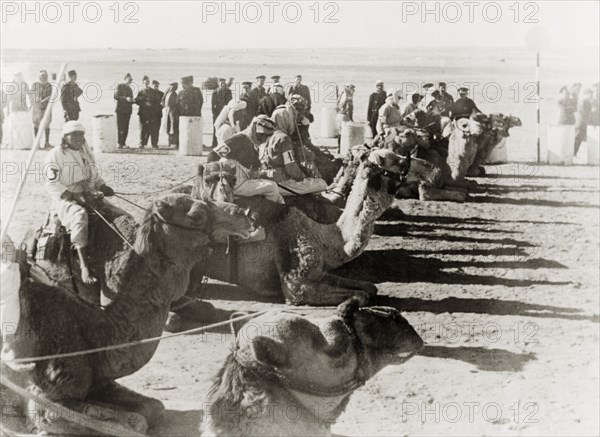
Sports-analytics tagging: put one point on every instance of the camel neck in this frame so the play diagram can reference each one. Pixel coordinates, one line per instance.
(364, 206)
(147, 285)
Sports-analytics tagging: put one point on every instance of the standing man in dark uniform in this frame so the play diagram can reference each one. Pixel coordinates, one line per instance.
(302, 90)
(250, 99)
(276, 84)
(124, 97)
(69, 94)
(463, 107)
(376, 101)
(259, 89)
(42, 91)
(145, 112)
(271, 101)
(219, 99)
(156, 113)
(190, 99)
(445, 101)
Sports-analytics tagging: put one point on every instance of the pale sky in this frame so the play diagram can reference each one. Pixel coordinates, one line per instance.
(280, 24)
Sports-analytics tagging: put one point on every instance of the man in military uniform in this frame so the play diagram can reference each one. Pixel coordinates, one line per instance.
(190, 99)
(376, 101)
(259, 89)
(464, 107)
(219, 99)
(302, 90)
(69, 94)
(389, 113)
(445, 101)
(124, 98)
(156, 113)
(250, 99)
(276, 84)
(271, 101)
(42, 91)
(144, 101)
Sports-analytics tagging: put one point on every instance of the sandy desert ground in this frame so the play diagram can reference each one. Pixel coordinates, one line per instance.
(503, 289)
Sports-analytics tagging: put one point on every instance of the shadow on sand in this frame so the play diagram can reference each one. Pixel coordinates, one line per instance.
(490, 360)
(178, 423)
(495, 307)
(397, 265)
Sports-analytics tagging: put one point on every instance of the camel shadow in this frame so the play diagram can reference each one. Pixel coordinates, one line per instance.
(394, 214)
(504, 189)
(529, 202)
(178, 423)
(396, 265)
(494, 307)
(535, 177)
(489, 360)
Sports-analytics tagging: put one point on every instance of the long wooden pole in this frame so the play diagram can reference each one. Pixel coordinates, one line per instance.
(537, 80)
(34, 148)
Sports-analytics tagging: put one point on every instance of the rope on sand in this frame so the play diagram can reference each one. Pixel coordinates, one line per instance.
(132, 343)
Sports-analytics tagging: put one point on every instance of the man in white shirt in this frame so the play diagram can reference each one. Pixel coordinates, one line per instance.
(71, 176)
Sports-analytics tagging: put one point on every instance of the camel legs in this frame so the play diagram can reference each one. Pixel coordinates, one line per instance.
(324, 289)
(116, 395)
(427, 192)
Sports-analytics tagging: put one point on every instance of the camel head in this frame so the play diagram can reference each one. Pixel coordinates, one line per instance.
(422, 170)
(177, 224)
(511, 121)
(315, 360)
(384, 170)
(215, 182)
(464, 128)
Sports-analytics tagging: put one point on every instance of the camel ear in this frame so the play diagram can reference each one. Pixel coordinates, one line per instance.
(268, 351)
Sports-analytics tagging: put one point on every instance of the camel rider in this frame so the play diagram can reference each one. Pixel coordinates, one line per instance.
(279, 164)
(389, 113)
(230, 120)
(71, 178)
(292, 120)
(241, 152)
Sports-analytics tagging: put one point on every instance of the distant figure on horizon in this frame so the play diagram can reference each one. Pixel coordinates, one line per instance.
(270, 102)
(304, 91)
(582, 118)
(464, 107)
(170, 103)
(446, 100)
(567, 107)
(220, 97)
(595, 115)
(42, 91)
(19, 127)
(275, 85)
(575, 90)
(156, 113)
(190, 98)
(69, 94)
(124, 97)
(144, 100)
(376, 101)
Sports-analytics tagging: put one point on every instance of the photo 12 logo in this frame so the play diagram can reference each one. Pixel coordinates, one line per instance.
(270, 12)
(70, 12)
(470, 12)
